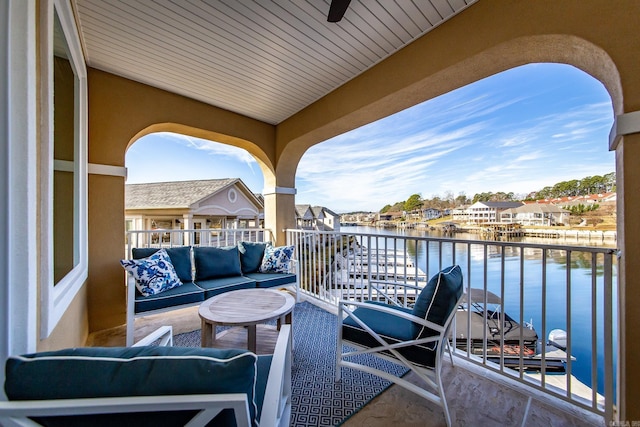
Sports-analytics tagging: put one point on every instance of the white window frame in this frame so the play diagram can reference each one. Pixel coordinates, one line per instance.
(56, 297)
(18, 183)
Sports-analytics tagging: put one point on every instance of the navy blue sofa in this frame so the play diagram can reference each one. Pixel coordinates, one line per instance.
(204, 272)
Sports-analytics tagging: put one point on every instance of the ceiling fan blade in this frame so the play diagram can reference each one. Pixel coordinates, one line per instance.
(337, 10)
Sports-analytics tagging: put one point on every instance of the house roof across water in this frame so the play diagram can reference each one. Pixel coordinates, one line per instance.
(179, 194)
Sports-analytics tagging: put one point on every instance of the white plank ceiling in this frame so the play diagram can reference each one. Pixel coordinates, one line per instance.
(263, 59)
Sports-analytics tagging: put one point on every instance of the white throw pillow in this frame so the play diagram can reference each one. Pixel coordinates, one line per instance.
(276, 259)
(154, 274)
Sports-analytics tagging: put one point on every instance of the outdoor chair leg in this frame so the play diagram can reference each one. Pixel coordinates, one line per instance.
(450, 350)
(443, 399)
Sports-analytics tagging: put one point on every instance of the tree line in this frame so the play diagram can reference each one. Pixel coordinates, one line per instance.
(576, 187)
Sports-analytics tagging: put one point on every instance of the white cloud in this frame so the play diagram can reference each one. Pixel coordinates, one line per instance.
(210, 147)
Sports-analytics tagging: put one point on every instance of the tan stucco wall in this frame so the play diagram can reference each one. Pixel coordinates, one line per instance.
(106, 282)
(628, 185)
(120, 111)
(73, 328)
(597, 36)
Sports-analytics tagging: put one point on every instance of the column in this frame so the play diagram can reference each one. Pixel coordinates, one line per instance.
(187, 220)
(279, 211)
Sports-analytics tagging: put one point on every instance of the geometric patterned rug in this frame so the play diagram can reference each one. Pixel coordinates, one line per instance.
(317, 399)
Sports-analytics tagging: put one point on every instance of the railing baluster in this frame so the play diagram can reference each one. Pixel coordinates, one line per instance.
(484, 314)
(468, 316)
(569, 334)
(594, 331)
(543, 369)
(608, 339)
(521, 337)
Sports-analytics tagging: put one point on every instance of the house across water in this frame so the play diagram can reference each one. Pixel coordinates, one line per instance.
(192, 205)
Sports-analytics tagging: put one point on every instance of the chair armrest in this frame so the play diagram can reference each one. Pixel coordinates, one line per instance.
(15, 413)
(392, 311)
(276, 407)
(163, 333)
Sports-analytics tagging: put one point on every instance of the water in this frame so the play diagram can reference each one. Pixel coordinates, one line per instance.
(581, 293)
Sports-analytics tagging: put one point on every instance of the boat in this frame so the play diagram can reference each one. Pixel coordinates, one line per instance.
(495, 335)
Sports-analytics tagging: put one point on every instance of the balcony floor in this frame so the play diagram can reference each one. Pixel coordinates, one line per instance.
(476, 397)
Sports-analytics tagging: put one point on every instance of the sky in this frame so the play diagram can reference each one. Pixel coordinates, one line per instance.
(517, 131)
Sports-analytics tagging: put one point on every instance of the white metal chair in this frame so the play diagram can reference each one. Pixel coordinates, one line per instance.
(414, 337)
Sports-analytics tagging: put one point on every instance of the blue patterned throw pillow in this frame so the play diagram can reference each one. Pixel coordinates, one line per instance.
(154, 274)
(276, 259)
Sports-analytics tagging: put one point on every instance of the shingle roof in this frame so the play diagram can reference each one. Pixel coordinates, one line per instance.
(540, 208)
(330, 212)
(301, 210)
(316, 211)
(175, 194)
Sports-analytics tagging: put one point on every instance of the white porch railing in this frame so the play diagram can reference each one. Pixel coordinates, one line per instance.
(200, 237)
(573, 288)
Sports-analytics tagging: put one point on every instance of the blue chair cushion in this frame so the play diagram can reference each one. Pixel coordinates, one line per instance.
(133, 371)
(392, 329)
(213, 287)
(438, 299)
(212, 262)
(180, 258)
(251, 254)
(188, 293)
(269, 280)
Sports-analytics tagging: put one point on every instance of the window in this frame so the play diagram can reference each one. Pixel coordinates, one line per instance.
(64, 170)
(65, 178)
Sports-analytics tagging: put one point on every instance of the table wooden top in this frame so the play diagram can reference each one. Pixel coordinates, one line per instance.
(246, 307)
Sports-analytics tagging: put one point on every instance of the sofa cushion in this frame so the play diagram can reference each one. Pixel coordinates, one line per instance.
(188, 293)
(213, 287)
(214, 262)
(154, 274)
(180, 258)
(436, 300)
(251, 254)
(269, 280)
(276, 259)
(133, 371)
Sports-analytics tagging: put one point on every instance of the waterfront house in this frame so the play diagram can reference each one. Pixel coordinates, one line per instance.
(192, 205)
(487, 212)
(535, 214)
(431, 213)
(316, 218)
(460, 214)
(274, 79)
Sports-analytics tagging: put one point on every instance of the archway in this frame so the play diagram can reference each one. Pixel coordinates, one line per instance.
(536, 124)
(180, 182)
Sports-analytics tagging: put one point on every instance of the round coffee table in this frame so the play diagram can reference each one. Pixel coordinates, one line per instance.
(245, 308)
